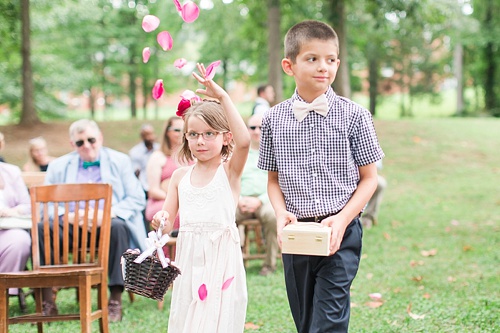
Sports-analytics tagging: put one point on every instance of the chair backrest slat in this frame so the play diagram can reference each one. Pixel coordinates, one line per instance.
(53, 205)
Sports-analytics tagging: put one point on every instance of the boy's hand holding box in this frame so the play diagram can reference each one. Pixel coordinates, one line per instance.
(308, 238)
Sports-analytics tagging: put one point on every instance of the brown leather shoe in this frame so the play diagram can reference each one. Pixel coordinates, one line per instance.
(114, 311)
(49, 308)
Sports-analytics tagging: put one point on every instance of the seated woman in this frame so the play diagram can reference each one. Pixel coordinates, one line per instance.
(15, 243)
(39, 158)
(161, 165)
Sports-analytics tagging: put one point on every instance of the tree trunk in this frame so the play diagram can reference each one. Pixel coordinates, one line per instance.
(132, 84)
(336, 13)
(490, 99)
(373, 81)
(28, 114)
(274, 48)
(458, 62)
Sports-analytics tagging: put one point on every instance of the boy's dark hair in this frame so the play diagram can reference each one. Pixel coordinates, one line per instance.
(305, 31)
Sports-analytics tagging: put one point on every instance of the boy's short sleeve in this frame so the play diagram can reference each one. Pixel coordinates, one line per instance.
(267, 158)
(365, 146)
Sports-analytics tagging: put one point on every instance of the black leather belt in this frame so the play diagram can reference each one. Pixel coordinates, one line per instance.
(318, 219)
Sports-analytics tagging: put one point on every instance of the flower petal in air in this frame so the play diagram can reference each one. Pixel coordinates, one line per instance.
(150, 23)
(146, 53)
(179, 63)
(227, 283)
(210, 72)
(165, 40)
(178, 5)
(158, 89)
(202, 292)
(190, 12)
(190, 96)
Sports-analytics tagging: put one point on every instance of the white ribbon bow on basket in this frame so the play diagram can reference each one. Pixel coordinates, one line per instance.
(155, 242)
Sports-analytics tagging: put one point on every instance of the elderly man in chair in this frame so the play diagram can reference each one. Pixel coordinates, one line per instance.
(90, 162)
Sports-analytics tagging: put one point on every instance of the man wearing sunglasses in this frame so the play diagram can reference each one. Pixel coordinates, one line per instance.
(254, 202)
(90, 162)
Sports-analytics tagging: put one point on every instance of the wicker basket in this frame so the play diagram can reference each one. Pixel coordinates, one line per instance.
(148, 278)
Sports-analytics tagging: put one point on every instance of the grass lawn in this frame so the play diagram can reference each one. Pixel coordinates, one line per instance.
(433, 256)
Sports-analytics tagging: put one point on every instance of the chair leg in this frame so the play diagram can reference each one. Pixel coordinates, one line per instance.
(4, 309)
(22, 300)
(102, 304)
(84, 293)
(131, 297)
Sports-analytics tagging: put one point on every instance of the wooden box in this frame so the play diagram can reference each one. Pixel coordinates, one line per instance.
(307, 238)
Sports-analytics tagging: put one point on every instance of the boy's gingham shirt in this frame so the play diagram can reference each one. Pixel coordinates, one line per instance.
(317, 159)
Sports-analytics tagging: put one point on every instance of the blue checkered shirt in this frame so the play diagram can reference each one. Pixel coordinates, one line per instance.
(317, 159)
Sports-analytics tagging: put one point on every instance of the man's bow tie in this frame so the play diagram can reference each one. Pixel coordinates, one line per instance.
(89, 164)
(319, 105)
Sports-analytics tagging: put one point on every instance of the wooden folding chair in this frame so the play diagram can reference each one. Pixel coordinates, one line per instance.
(82, 264)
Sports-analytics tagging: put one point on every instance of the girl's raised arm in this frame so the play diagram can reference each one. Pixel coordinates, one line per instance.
(236, 124)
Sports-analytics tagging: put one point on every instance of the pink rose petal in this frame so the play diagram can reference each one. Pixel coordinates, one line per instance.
(146, 53)
(150, 23)
(227, 283)
(190, 95)
(165, 40)
(202, 292)
(210, 72)
(190, 12)
(179, 63)
(158, 89)
(178, 5)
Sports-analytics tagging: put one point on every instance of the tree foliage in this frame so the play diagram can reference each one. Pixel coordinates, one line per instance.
(94, 47)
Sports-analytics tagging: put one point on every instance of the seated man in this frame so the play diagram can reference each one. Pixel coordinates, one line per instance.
(370, 214)
(141, 152)
(254, 202)
(92, 163)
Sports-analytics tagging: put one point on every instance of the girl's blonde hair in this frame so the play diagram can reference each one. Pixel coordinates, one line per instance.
(212, 114)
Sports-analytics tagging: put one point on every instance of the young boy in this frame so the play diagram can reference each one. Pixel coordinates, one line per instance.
(320, 151)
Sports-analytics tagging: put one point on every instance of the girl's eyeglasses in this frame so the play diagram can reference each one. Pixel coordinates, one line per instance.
(80, 143)
(207, 136)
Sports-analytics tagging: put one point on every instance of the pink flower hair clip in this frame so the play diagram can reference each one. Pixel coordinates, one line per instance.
(188, 98)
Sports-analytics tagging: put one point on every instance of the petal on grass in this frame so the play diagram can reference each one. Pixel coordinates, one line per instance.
(227, 283)
(202, 292)
(190, 12)
(150, 23)
(158, 89)
(178, 5)
(179, 63)
(165, 40)
(210, 72)
(146, 53)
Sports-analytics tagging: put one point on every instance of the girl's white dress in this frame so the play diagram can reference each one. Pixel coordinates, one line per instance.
(210, 295)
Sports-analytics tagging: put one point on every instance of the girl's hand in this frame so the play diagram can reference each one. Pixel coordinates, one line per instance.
(212, 89)
(161, 215)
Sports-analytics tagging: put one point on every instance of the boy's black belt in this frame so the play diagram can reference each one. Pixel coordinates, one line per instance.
(318, 219)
